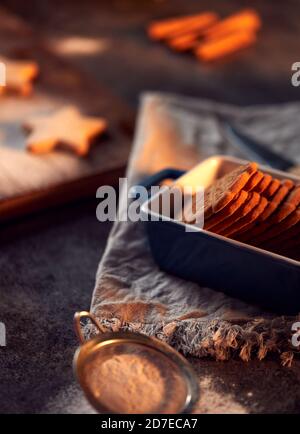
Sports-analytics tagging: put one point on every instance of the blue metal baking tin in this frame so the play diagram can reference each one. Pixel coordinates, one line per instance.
(239, 270)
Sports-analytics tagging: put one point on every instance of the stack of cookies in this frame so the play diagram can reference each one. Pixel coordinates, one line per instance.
(253, 207)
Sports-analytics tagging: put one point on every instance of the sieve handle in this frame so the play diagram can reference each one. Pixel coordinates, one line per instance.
(77, 324)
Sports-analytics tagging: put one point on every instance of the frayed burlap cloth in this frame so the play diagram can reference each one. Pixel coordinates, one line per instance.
(131, 293)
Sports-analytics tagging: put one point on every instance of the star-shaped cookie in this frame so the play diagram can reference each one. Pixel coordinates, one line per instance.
(66, 127)
(19, 76)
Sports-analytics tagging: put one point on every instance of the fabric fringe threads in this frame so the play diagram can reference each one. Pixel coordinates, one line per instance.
(218, 339)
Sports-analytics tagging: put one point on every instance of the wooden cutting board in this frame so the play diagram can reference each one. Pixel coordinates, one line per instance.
(29, 182)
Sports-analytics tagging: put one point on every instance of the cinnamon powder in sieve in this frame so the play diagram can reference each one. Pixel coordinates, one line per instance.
(135, 383)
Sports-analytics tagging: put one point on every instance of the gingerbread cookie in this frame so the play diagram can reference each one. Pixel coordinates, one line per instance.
(292, 244)
(20, 75)
(263, 224)
(278, 199)
(229, 209)
(248, 219)
(279, 228)
(223, 191)
(284, 238)
(66, 127)
(272, 188)
(289, 205)
(251, 202)
(253, 181)
(264, 184)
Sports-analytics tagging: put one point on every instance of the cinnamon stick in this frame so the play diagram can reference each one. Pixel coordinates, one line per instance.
(170, 28)
(245, 20)
(185, 42)
(217, 48)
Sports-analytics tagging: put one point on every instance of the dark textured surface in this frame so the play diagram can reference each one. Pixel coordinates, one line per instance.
(48, 263)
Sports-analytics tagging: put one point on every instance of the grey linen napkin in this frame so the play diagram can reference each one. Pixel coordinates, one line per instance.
(131, 293)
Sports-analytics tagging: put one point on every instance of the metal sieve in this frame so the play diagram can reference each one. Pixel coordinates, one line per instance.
(125, 372)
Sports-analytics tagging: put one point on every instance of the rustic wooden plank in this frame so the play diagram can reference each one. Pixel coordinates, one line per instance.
(28, 181)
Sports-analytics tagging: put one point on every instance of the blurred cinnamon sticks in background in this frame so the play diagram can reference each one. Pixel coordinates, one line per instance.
(174, 27)
(206, 35)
